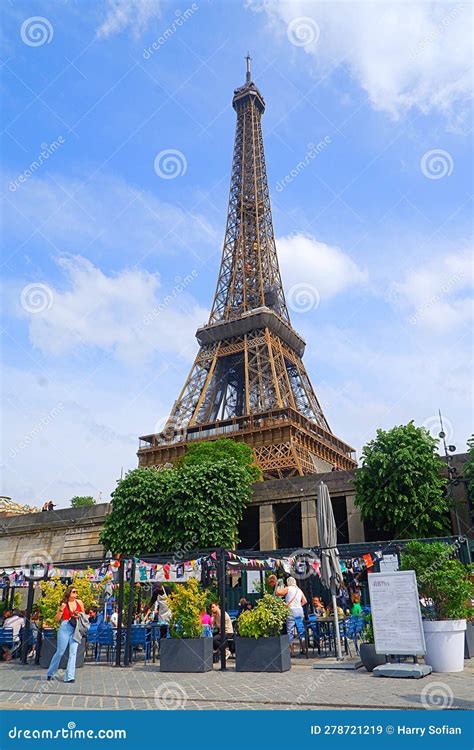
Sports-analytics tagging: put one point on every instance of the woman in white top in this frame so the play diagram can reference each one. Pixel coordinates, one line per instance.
(295, 599)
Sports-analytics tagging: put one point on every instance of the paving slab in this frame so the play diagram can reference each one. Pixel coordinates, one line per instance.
(303, 688)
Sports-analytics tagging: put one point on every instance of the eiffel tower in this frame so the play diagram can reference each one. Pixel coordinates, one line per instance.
(248, 381)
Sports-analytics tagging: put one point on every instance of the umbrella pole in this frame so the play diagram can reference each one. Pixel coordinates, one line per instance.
(336, 625)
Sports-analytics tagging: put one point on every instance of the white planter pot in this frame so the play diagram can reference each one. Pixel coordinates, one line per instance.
(444, 644)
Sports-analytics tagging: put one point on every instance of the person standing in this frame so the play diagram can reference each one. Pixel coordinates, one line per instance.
(67, 614)
(295, 600)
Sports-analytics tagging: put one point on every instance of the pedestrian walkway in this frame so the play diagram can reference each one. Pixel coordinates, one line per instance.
(303, 688)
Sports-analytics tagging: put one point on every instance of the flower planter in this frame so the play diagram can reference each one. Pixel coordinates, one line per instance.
(262, 654)
(369, 658)
(186, 655)
(48, 648)
(444, 644)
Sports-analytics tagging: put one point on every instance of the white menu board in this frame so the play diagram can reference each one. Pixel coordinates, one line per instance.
(388, 563)
(396, 615)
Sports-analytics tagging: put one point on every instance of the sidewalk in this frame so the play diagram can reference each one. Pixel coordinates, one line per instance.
(304, 688)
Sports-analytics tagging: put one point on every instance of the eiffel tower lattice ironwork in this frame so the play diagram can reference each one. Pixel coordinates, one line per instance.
(248, 381)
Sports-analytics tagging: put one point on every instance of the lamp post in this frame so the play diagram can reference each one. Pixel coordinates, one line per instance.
(452, 472)
(36, 573)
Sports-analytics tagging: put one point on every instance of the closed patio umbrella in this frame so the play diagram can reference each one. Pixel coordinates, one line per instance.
(331, 576)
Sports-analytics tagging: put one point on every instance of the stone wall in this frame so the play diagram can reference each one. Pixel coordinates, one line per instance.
(54, 536)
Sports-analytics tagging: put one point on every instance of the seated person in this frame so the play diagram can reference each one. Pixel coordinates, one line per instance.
(16, 622)
(330, 612)
(318, 607)
(356, 609)
(243, 606)
(216, 623)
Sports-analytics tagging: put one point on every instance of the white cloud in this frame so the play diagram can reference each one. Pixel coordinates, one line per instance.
(403, 54)
(438, 296)
(304, 260)
(105, 212)
(128, 14)
(119, 313)
(75, 430)
(366, 381)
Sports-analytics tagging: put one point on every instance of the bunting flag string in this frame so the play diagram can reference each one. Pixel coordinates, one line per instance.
(183, 570)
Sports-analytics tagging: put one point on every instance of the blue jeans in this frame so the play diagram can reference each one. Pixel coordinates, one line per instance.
(65, 639)
(295, 618)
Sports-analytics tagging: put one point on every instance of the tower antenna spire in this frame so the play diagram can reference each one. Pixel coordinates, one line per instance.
(248, 58)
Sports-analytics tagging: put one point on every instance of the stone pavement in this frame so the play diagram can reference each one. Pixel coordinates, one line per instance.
(138, 687)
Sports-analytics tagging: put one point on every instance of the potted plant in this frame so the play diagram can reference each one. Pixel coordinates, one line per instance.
(368, 656)
(186, 650)
(260, 645)
(445, 591)
(52, 594)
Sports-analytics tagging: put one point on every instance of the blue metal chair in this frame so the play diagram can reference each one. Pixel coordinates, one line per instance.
(6, 637)
(91, 640)
(140, 637)
(105, 639)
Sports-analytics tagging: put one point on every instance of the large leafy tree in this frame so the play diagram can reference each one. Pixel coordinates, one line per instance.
(222, 450)
(399, 486)
(138, 522)
(195, 505)
(208, 503)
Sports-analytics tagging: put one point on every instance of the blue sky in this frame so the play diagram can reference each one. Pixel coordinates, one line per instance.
(111, 244)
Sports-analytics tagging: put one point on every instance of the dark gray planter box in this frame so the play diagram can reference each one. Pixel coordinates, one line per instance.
(262, 654)
(469, 640)
(186, 655)
(369, 658)
(48, 648)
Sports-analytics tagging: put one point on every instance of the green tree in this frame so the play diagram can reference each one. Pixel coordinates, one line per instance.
(223, 449)
(399, 486)
(138, 522)
(440, 577)
(79, 501)
(208, 503)
(195, 505)
(469, 469)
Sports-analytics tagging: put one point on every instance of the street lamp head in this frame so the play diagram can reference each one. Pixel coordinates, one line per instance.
(442, 434)
(451, 448)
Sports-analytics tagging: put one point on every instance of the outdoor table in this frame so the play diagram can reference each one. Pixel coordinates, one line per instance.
(327, 629)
